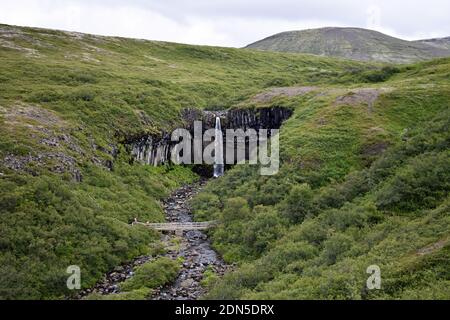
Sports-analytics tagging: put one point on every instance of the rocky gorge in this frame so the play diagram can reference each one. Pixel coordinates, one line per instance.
(194, 249)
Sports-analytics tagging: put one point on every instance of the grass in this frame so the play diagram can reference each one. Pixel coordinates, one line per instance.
(357, 186)
(146, 277)
(69, 188)
(152, 274)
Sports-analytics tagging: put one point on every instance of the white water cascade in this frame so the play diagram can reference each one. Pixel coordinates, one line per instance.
(218, 150)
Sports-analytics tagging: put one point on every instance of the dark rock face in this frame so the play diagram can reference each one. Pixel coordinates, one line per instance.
(263, 118)
(208, 118)
(152, 150)
(156, 150)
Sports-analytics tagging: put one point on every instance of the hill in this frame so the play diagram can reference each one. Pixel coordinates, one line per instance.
(363, 177)
(443, 43)
(354, 43)
(363, 181)
(68, 104)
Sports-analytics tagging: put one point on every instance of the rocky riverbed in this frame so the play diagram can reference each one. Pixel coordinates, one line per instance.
(194, 247)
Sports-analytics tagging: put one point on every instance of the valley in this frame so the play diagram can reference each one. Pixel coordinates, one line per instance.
(191, 250)
(363, 177)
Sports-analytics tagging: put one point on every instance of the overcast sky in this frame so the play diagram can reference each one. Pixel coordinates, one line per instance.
(228, 22)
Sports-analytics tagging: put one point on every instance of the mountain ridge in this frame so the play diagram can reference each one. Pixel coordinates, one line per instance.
(355, 44)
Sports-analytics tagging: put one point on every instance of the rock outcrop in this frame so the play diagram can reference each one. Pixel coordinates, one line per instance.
(261, 118)
(156, 149)
(152, 150)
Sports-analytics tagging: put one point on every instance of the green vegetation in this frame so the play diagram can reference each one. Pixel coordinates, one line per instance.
(359, 185)
(67, 103)
(69, 188)
(152, 274)
(380, 75)
(146, 277)
(210, 277)
(50, 222)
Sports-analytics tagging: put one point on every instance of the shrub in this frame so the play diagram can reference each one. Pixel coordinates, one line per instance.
(421, 184)
(265, 228)
(334, 196)
(205, 205)
(83, 95)
(298, 204)
(152, 274)
(335, 247)
(380, 75)
(279, 82)
(353, 216)
(312, 231)
(235, 209)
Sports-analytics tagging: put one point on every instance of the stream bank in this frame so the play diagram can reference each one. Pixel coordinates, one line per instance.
(195, 249)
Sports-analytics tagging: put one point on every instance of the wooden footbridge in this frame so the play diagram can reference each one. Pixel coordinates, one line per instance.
(177, 226)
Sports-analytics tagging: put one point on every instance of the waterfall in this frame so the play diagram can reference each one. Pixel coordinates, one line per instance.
(218, 150)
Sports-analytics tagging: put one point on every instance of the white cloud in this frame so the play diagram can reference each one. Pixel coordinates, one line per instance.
(227, 22)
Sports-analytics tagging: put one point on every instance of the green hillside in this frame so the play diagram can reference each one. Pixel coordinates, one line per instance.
(354, 43)
(68, 101)
(362, 182)
(68, 187)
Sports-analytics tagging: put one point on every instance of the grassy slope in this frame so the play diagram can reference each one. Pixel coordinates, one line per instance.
(67, 101)
(339, 204)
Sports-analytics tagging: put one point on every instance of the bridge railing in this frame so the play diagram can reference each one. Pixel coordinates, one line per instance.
(173, 226)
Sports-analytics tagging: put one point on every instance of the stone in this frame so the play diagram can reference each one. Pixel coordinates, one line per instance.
(187, 283)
